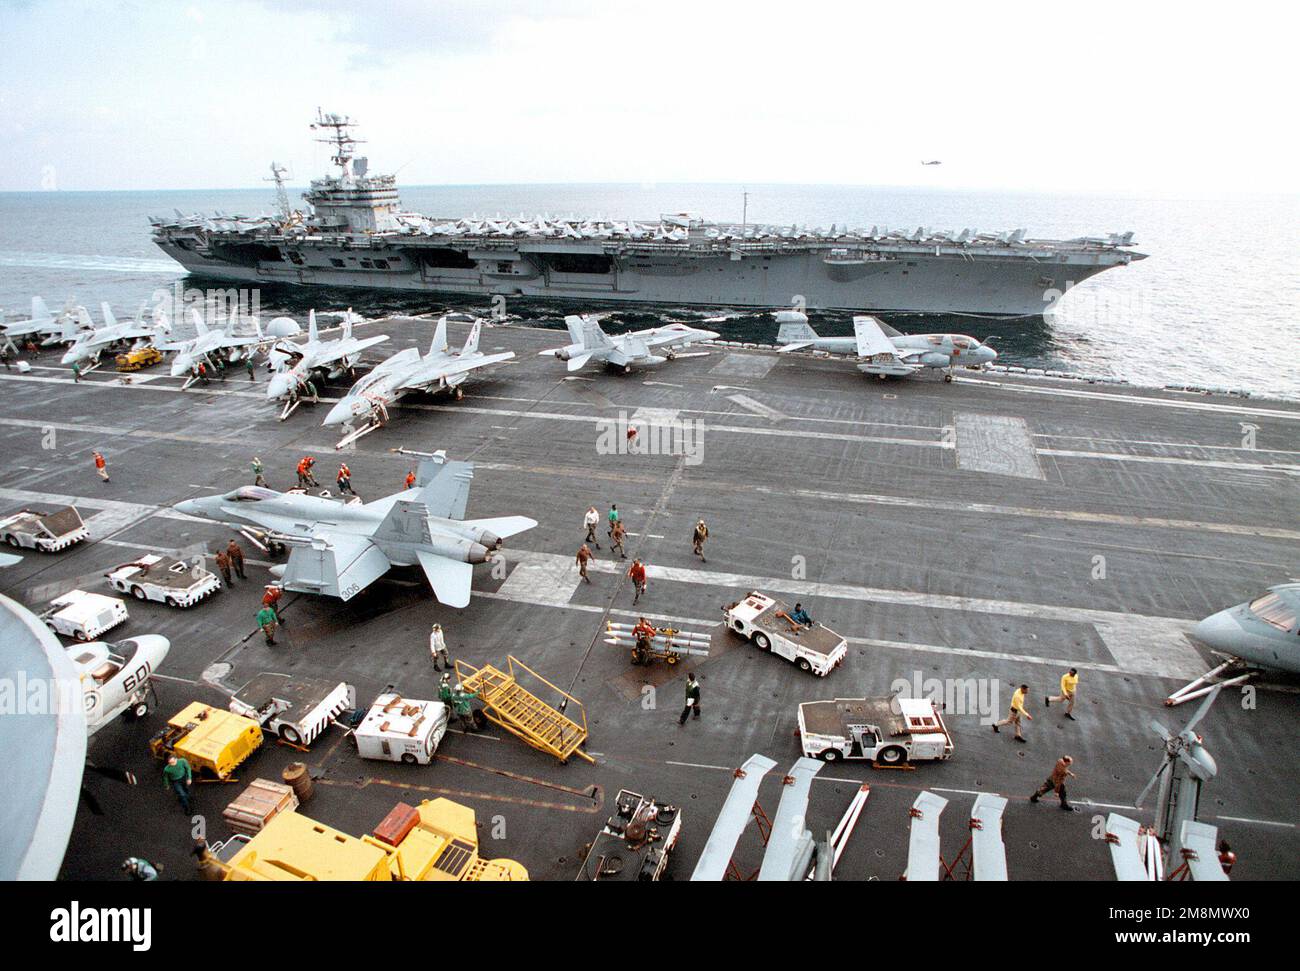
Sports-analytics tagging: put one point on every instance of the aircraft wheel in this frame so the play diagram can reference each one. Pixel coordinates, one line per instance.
(140, 709)
(671, 356)
(947, 379)
(761, 641)
(627, 369)
(408, 758)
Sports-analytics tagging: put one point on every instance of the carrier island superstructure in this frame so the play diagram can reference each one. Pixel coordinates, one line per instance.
(355, 233)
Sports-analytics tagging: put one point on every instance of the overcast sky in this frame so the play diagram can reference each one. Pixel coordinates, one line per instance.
(1099, 97)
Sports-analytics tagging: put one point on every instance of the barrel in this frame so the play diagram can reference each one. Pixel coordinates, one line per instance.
(296, 777)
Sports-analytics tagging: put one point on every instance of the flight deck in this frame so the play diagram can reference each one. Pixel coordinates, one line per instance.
(964, 537)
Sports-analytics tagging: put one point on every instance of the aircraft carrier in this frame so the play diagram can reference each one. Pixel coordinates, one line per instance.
(994, 531)
(356, 234)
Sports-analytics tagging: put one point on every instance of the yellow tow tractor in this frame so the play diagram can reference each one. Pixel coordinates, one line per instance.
(138, 358)
(436, 842)
(213, 741)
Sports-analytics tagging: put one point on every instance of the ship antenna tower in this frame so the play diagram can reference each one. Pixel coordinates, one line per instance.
(339, 136)
(278, 172)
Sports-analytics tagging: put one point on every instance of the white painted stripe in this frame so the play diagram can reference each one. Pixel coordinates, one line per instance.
(1230, 409)
(757, 407)
(1171, 460)
(1258, 822)
(984, 508)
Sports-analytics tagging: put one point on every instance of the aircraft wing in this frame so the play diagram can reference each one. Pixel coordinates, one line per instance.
(797, 345)
(450, 579)
(438, 373)
(877, 351)
(335, 565)
(342, 350)
(660, 336)
(630, 348)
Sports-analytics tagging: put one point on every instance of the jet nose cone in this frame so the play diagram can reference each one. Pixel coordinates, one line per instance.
(1220, 631)
(69, 357)
(189, 507)
(277, 387)
(340, 413)
(987, 354)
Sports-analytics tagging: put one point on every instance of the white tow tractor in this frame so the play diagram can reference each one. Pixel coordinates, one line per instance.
(401, 729)
(83, 616)
(765, 622)
(296, 709)
(48, 532)
(890, 731)
(117, 678)
(163, 579)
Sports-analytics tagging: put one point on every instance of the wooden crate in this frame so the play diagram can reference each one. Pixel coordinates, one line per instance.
(257, 805)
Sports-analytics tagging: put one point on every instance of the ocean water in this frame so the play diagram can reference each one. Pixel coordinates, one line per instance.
(1217, 302)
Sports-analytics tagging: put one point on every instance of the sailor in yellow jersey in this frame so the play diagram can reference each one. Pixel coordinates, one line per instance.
(1016, 713)
(1069, 681)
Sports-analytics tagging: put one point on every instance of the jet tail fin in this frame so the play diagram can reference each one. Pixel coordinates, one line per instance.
(587, 332)
(39, 310)
(471, 342)
(312, 334)
(407, 522)
(107, 311)
(793, 328)
(199, 326)
(439, 345)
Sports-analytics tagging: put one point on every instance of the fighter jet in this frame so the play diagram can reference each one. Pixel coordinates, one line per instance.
(208, 341)
(1260, 634)
(95, 340)
(299, 361)
(884, 351)
(370, 398)
(338, 549)
(50, 329)
(590, 342)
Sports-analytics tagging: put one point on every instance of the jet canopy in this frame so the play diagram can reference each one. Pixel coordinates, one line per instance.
(250, 494)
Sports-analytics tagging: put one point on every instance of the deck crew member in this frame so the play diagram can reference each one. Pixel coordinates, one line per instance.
(612, 518)
(76, 370)
(258, 478)
(698, 537)
(444, 690)
(616, 537)
(1069, 682)
(644, 633)
(223, 564)
(101, 466)
(305, 478)
(438, 648)
(267, 620)
(410, 478)
(345, 479)
(637, 572)
(236, 554)
(460, 702)
(1056, 783)
(590, 520)
(248, 366)
(692, 699)
(271, 598)
(177, 777)
(1016, 713)
(583, 557)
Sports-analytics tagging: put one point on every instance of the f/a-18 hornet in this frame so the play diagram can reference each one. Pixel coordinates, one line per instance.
(591, 343)
(337, 549)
